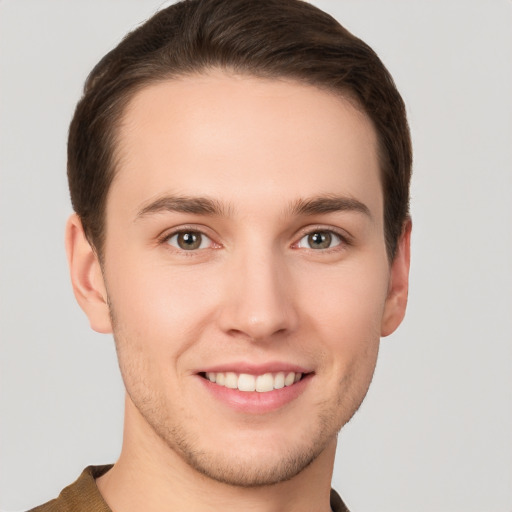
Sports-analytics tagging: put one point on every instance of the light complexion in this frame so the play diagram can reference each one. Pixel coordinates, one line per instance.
(246, 271)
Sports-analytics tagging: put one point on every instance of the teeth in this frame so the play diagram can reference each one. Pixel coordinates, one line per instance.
(220, 378)
(279, 380)
(231, 380)
(265, 383)
(247, 382)
(289, 379)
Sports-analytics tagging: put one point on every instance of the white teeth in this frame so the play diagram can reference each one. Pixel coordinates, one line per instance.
(246, 382)
(265, 382)
(289, 379)
(279, 380)
(231, 380)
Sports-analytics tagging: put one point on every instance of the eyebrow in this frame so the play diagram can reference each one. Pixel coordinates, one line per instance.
(183, 204)
(329, 204)
(206, 206)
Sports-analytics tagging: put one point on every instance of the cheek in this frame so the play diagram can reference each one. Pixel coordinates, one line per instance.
(345, 308)
(157, 316)
(158, 304)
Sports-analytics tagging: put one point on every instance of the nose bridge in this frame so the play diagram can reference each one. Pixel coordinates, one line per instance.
(258, 302)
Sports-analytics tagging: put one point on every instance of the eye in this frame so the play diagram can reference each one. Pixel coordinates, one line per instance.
(189, 240)
(319, 240)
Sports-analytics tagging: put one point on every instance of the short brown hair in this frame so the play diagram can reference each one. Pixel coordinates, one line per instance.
(264, 38)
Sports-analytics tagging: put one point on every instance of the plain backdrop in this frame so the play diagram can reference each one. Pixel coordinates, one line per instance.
(435, 432)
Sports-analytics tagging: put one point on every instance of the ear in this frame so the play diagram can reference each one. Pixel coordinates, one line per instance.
(396, 301)
(86, 276)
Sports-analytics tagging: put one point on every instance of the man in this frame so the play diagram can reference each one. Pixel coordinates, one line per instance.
(239, 172)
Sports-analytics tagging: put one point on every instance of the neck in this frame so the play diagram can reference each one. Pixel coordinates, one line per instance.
(151, 476)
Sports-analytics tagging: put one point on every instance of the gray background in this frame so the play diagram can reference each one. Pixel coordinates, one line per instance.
(435, 433)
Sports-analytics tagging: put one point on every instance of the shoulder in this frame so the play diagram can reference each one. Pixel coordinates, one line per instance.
(80, 496)
(337, 504)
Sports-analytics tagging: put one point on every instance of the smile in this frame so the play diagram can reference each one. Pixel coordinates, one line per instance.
(249, 383)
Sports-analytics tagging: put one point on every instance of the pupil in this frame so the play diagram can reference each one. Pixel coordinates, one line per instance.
(320, 240)
(189, 241)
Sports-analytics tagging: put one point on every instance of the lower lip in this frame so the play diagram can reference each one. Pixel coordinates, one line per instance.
(254, 402)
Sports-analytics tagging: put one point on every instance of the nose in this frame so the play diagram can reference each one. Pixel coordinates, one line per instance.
(258, 298)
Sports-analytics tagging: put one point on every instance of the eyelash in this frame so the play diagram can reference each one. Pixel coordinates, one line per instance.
(165, 239)
(344, 240)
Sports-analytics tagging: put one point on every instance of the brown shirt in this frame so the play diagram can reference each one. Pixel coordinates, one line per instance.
(83, 496)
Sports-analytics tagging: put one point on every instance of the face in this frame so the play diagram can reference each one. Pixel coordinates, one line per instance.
(246, 271)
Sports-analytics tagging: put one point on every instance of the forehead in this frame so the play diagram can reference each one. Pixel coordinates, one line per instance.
(242, 139)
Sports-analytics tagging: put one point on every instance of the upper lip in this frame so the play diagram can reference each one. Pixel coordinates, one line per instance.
(254, 369)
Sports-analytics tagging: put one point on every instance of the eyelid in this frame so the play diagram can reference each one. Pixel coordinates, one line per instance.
(166, 235)
(346, 238)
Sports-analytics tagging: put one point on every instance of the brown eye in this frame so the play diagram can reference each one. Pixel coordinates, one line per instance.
(320, 240)
(189, 240)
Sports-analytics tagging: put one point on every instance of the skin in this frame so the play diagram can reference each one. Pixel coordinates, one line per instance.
(255, 291)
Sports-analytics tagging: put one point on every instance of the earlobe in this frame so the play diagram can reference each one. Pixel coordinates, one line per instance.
(396, 301)
(86, 276)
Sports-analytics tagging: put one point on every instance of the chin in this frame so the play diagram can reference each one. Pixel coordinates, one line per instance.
(253, 458)
(252, 469)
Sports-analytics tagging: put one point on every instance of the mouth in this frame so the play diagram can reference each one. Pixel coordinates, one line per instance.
(246, 382)
(249, 389)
